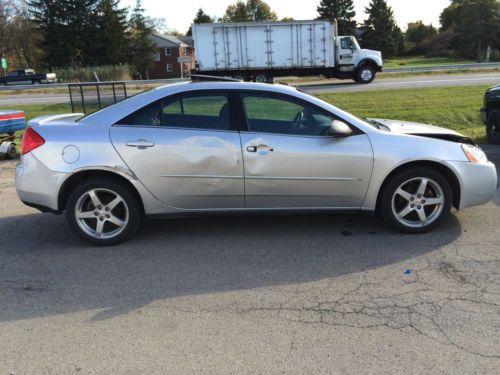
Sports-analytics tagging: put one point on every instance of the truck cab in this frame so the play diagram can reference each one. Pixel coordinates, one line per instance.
(361, 64)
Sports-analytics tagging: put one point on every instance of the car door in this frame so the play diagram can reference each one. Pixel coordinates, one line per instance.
(291, 162)
(185, 150)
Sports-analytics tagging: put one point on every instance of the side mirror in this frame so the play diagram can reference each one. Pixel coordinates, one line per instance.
(339, 129)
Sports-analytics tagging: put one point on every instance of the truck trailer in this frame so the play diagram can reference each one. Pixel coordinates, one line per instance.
(260, 51)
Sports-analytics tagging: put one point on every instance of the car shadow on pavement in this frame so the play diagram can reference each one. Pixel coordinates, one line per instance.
(46, 270)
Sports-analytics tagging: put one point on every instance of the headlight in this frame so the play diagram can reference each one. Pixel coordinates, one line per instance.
(474, 154)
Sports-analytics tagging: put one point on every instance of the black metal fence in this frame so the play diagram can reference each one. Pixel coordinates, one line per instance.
(90, 97)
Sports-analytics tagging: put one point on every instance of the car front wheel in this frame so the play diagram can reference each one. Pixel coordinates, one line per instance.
(416, 200)
(103, 212)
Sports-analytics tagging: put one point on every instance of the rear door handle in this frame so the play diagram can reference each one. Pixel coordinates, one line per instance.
(140, 143)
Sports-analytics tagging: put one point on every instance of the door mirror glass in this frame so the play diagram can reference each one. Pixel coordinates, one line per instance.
(339, 129)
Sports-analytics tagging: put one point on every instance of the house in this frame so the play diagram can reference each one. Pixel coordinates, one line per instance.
(166, 60)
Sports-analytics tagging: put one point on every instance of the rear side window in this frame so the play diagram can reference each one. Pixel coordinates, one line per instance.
(195, 111)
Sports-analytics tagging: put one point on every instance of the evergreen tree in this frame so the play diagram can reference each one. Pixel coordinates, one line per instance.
(141, 48)
(201, 17)
(111, 43)
(49, 15)
(342, 11)
(81, 31)
(380, 31)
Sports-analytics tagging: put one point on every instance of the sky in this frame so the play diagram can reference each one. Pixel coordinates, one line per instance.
(179, 14)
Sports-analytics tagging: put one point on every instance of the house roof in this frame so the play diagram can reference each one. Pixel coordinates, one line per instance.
(168, 41)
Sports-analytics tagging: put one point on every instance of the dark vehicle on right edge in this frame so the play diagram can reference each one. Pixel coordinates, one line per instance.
(490, 114)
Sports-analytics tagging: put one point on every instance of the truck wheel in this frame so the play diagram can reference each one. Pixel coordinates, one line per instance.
(240, 76)
(493, 127)
(11, 152)
(263, 78)
(365, 74)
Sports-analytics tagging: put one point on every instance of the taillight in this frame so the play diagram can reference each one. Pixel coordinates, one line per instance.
(31, 140)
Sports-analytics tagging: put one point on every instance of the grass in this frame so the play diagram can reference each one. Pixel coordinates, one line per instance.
(412, 61)
(455, 108)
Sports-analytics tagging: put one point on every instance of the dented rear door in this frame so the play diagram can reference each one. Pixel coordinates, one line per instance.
(188, 156)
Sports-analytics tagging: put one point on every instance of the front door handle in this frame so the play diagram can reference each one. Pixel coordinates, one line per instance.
(140, 143)
(261, 149)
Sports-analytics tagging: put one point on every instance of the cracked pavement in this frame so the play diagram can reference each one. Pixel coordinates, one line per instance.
(278, 294)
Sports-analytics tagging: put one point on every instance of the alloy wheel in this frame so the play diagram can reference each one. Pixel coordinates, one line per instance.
(101, 213)
(418, 202)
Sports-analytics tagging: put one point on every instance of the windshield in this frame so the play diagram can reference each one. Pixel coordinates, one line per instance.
(355, 43)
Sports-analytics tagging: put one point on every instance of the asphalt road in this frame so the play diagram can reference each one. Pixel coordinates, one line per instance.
(282, 294)
(407, 82)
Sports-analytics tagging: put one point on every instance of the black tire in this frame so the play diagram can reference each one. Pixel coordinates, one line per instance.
(11, 152)
(105, 189)
(440, 211)
(493, 127)
(263, 78)
(240, 76)
(365, 74)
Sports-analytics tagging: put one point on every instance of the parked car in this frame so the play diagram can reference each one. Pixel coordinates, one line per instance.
(27, 76)
(490, 114)
(260, 51)
(219, 147)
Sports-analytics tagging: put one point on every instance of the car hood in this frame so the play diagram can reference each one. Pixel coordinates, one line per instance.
(423, 130)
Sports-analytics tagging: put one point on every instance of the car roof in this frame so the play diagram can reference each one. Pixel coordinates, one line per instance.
(121, 109)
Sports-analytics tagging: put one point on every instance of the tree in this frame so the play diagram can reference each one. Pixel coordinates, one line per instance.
(25, 37)
(417, 32)
(380, 31)
(252, 10)
(475, 25)
(201, 17)
(342, 11)
(141, 48)
(111, 43)
(49, 16)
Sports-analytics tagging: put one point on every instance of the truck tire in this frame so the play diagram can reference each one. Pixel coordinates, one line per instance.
(263, 78)
(365, 74)
(240, 76)
(493, 127)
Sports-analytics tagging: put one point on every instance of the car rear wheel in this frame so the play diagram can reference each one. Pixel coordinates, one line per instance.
(103, 212)
(493, 127)
(416, 200)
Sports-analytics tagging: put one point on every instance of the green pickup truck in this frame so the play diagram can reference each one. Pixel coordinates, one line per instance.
(490, 114)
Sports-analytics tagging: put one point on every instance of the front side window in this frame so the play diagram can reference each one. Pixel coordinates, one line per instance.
(191, 111)
(346, 43)
(275, 114)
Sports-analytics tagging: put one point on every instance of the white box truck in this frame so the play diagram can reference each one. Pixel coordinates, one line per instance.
(260, 51)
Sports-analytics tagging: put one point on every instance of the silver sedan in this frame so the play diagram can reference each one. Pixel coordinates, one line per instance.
(219, 147)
